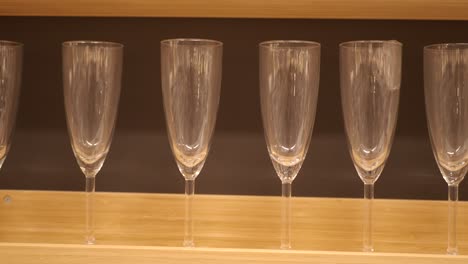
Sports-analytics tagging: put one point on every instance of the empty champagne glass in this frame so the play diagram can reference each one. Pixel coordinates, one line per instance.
(91, 80)
(191, 83)
(289, 84)
(370, 74)
(446, 92)
(11, 59)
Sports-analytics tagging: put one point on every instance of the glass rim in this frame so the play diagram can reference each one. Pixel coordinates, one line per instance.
(9, 43)
(446, 46)
(304, 44)
(350, 44)
(104, 44)
(199, 41)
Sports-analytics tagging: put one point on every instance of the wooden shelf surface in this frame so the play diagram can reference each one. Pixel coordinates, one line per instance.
(317, 9)
(49, 226)
(79, 254)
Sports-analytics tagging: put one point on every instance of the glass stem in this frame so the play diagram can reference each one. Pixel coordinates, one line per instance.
(189, 192)
(452, 248)
(368, 245)
(286, 190)
(89, 231)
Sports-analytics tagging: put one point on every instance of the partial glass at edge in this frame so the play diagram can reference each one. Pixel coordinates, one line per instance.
(11, 60)
(370, 74)
(191, 83)
(446, 92)
(91, 80)
(289, 84)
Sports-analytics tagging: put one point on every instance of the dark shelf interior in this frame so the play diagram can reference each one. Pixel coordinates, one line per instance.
(140, 159)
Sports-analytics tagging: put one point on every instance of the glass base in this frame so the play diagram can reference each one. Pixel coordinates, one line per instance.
(285, 246)
(368, 249)
(90, 240)
(189, 243)
(452, 251)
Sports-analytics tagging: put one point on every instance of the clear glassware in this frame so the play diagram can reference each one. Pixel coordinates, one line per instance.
(91, 80)
(446, 92)
(11, 60)
(370, 74)
(289, 84)
(191, 84)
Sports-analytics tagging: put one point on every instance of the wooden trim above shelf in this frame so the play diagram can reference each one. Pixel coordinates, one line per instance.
(314, 9)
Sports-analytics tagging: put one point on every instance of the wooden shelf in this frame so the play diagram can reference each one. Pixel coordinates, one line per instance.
(79, 254)
(146, 228)
(317, 9)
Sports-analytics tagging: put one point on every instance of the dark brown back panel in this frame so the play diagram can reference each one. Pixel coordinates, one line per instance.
(140, 159)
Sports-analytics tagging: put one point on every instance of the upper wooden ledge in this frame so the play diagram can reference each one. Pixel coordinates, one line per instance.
(317, 9)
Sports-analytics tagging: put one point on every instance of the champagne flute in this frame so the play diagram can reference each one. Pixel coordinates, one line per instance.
(446, 92)
(370, 73)
(91, 80)
(191, 83)
(11, 59)
(289, 83)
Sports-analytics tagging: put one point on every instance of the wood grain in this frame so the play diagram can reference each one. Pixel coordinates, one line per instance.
(74, 254)
(321, 9)
(248, 222)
